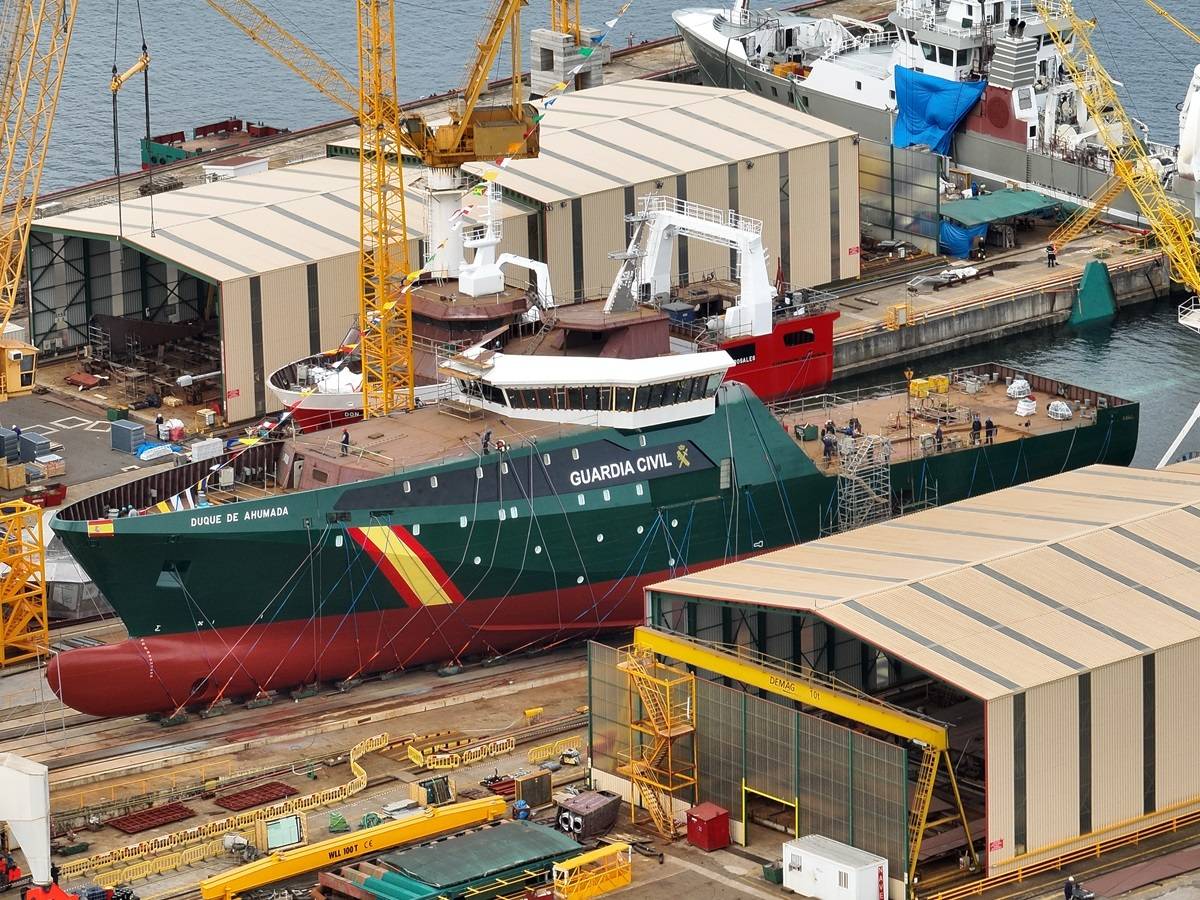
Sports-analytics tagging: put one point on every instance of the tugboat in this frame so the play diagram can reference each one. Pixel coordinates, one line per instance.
(529, 509)
(982, 82)
(780, 338)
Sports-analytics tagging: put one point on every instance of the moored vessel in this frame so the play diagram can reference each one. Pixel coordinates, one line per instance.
(527, 510)
(981, 83)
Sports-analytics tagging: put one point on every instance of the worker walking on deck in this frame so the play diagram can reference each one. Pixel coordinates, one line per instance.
(989, 430)
(937, 438)
(976, 427)
(345, 442)
(1069, 888)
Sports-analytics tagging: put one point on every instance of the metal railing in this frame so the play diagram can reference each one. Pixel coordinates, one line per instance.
(711, 214)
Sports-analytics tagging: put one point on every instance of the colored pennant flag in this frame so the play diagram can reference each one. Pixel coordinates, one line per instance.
(490, 175)
(612, 23)
(561, 86)
(549, 102)
(585, 51)
(101, 528)
(538, 117)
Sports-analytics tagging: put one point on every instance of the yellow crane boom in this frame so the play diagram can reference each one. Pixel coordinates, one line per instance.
(474, 132)
(37, 39)
(290, 51)
(1174, 21)
(1169, 220)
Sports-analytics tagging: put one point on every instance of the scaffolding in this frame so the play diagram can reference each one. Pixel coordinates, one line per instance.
(661, 760)
(822, 692)
(24, 623)
(864, 482)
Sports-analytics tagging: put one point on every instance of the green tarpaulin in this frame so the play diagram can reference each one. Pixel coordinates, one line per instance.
(996, 206)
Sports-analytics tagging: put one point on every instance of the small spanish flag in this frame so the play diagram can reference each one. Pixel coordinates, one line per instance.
(100, 528)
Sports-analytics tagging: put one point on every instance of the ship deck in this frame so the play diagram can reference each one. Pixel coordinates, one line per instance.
(909, 423)
(437, 433)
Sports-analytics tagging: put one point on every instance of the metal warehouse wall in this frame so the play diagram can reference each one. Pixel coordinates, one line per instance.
(1092, 757)
(847, 786)
(300, 310)
(813, 189)
(72, 278)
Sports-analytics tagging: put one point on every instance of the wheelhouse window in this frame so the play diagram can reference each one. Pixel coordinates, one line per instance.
(930, 51)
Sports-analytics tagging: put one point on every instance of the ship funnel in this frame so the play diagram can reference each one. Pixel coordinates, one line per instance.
(1012, 27)
(1021, 28)
(25, 806)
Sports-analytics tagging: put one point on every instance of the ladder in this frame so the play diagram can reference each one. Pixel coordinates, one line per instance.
(918, 813)
(1082, 218)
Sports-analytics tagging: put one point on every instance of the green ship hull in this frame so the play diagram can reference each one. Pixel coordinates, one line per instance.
(523, 549)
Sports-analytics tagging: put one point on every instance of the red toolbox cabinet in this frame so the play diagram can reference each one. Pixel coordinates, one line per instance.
(708, 827)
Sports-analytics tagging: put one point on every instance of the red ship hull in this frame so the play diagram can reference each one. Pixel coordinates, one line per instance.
(179, 671)
(309, 420)
(797, 356)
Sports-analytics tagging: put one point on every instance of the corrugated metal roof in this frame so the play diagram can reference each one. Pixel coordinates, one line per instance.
(1002, 592)
(250, 225)
(636, 131)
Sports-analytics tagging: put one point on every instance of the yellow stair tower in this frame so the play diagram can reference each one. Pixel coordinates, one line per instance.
(662, 704)
(1086, 214)
(24, 623)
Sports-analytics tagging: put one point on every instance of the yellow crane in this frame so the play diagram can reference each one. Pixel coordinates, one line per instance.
(1174, 21)
(474, 133)
(1170, 222)
(36, 36)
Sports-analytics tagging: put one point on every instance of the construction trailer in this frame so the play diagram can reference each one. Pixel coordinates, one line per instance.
(1047, 630)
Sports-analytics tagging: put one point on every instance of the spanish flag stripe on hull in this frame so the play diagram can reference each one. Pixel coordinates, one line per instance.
(411, 570)
(100, 528)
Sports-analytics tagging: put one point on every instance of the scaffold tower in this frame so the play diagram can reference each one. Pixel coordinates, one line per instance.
(661, 760)
(864, 484)
(24, 624)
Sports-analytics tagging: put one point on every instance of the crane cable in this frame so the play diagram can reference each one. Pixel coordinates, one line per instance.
(116, 121)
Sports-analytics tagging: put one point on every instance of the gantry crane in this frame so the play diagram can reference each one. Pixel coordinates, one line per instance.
(35, 35)
(474, 133)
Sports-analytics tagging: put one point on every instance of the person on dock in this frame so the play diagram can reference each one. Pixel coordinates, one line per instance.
(938, 437)
(345, 442)
(989, 431)
(1051, 256)
(1069, 888)
(976, 427)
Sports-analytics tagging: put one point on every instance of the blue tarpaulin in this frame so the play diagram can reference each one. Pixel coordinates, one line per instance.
(956, 239)
(930, 108)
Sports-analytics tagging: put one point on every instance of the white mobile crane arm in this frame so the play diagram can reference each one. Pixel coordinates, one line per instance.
(25, 808)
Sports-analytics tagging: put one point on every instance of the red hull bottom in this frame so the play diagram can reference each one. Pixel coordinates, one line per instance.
(169, 672)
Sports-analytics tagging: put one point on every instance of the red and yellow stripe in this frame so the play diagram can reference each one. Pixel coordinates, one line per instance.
(101, 528)
(408, 567)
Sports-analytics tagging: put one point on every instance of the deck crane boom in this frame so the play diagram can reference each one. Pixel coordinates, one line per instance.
(1171, 224)
(36, 38)
(474, 133)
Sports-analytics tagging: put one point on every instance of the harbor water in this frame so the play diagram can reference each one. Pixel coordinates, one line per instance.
(205, 70)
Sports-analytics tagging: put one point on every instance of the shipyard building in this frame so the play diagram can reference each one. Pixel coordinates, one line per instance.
(265, 265)
(1049, 631)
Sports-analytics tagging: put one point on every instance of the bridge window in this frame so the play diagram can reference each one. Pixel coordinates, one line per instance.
(930, 51)
(945, 56)
(796, 338)
(964, 57)
(624, 399)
